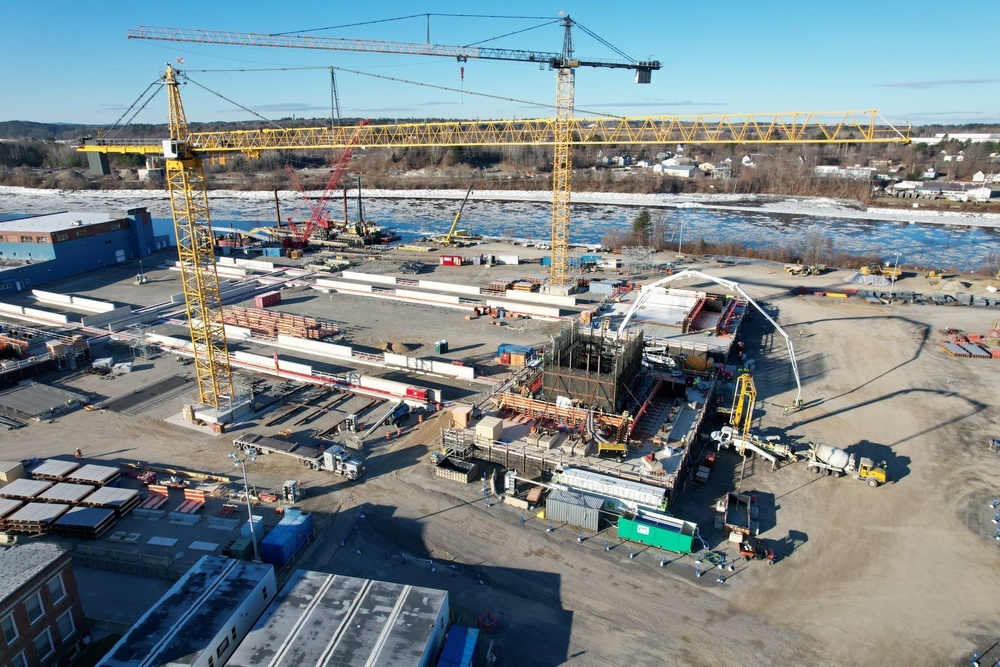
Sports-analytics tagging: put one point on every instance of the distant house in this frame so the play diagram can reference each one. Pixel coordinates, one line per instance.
(930, 173)
(958, 157)
(981, 177)
(749, 161)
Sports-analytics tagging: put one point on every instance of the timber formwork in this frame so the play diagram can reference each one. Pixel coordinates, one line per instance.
(592, 368)
(549, 414)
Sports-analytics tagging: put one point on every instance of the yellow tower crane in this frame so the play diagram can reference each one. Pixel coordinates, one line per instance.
(196, 252)
(565, 64)
(185, 150)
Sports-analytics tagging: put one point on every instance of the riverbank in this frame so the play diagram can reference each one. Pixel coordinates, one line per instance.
(260, 204)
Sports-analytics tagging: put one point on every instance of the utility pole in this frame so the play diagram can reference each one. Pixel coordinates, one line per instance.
(242, 461)
(895, 272)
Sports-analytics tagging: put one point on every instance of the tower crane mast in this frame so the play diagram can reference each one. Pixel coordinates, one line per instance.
(564, 63)
(196, 252)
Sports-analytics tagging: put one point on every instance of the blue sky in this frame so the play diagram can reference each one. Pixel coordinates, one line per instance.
(919, 61)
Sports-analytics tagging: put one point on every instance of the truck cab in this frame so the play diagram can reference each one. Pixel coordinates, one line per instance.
(869, 471)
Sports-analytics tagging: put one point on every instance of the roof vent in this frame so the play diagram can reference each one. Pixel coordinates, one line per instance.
(76, 223)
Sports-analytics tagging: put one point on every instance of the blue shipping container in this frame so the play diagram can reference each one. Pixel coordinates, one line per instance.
(591, 259)
(515, 349)
(459, 648)
(285, 540)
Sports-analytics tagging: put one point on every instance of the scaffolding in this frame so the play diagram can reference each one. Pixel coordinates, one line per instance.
(638, 259)
(138, 340)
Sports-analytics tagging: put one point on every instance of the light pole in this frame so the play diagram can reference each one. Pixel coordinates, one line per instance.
(895, 272)
(242, 461)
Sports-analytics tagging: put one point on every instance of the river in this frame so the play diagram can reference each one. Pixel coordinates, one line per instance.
(966, 242)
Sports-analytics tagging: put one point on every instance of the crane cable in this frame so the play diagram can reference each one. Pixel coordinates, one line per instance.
(516, 32)
(411, 16)
(218, 94)
(154, 84)
(398, 80)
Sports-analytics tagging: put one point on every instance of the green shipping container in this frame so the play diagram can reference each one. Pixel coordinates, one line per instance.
(662, 532)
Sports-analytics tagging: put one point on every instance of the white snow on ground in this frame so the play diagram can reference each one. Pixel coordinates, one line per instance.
(259, 204)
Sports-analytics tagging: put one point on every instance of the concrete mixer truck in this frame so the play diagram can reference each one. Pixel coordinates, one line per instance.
(835, 461)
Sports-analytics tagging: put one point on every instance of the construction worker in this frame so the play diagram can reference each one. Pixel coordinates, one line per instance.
(78, 454)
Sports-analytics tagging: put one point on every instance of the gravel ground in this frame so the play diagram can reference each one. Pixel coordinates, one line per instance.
(902, 574)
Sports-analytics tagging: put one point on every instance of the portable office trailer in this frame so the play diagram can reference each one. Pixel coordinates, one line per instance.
(632, 494)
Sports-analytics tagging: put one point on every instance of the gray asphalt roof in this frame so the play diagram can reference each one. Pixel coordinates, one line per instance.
(22, 562)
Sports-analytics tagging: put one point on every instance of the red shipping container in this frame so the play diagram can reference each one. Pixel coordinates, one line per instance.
(505, 358)
(413, 392)
(451, 260)
(267, 299)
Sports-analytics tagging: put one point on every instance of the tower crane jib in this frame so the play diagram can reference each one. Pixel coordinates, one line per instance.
(564, 63)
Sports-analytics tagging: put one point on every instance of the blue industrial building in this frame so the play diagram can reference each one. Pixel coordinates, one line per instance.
(35, 250)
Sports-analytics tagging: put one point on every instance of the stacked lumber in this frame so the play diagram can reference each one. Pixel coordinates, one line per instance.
(273, 323)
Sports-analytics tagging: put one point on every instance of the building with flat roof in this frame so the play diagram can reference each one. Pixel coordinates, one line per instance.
(326, 619)
(38, 249)
(202, 619)
(41, 618)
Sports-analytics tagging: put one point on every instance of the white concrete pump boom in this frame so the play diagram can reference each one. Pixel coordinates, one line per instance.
(690, 273)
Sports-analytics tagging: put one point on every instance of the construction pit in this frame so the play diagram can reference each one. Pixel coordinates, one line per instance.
(851, 563)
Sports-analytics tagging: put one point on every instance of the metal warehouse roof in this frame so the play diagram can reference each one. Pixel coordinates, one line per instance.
(325, 619)
(176, 629)
(57, 222)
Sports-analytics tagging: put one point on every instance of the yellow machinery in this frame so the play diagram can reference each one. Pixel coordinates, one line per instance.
(744, 400)
(185, 150)
(450, 240)
(196, 252)
(563, 131)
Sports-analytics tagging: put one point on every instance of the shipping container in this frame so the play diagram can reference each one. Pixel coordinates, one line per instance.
(418, 394)
(459, 648)
(603, 286)
(513, 260)
(451, 260)
(505, 358)
(267, 299)
(575, 508)
(285, 539)
(660, 531)
(510, 348)
(591, 259)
